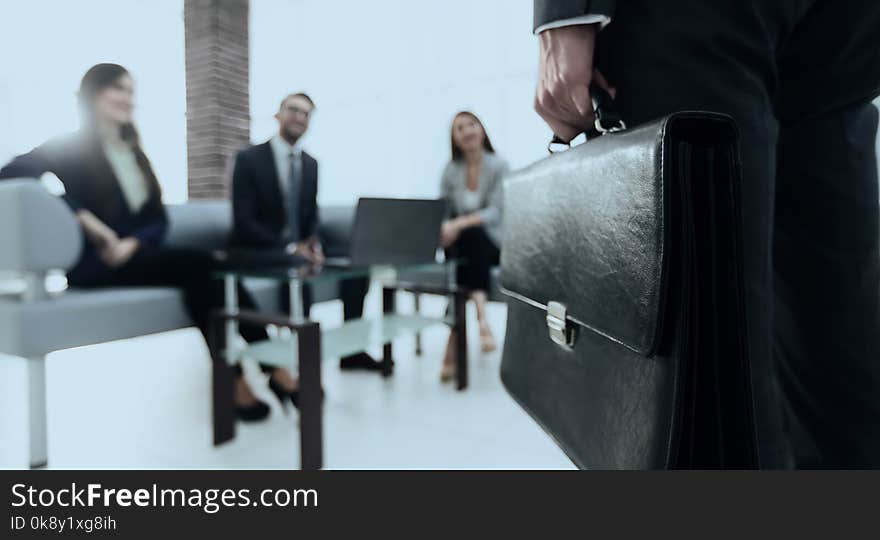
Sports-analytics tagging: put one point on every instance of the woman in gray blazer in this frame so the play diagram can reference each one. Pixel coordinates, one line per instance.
(472, 187)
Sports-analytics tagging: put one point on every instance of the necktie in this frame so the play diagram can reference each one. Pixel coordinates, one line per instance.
(293, 198)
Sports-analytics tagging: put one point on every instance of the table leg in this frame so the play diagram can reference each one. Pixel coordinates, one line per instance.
(460, 326)
(222, 384)
(222, 375)
(388, 307)
(311, 403)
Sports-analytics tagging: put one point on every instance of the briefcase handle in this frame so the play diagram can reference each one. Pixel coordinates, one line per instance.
(607, 120)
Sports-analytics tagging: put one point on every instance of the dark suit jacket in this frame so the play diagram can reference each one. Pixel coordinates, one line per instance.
(257, 204)
(90, 183)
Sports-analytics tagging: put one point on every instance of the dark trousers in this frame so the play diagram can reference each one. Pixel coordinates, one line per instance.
(478, 253)
(798, 76)
(351, 291)
(190, 270)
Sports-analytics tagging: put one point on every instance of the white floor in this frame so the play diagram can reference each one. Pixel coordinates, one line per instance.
(145, 403)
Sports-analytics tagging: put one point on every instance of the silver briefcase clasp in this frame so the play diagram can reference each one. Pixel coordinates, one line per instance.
(561, 331)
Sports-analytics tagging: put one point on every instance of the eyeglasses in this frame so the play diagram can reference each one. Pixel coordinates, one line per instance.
(297, 111)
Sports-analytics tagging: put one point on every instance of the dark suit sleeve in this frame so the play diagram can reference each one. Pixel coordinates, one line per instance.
(153, 233)
(30, 165)
(33, 165)
(311, 228)
(248, 230)
(548, 11)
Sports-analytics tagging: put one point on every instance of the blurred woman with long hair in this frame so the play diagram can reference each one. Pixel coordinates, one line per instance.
(472, 187)
(110, 185)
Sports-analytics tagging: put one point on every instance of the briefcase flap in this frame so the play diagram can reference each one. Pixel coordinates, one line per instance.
(584, 236)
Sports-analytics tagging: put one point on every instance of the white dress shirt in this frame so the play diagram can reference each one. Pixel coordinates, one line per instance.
(131, 179)
(471, 201)
(281, 150)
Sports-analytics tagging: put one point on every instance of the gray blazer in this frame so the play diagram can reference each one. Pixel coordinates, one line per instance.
(454, 183)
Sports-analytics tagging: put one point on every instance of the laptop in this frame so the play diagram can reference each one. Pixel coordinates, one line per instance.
(393, 232)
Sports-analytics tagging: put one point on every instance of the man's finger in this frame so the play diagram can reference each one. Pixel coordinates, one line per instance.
(566, 101)
(565, 131)
(569, 102)
(565, 125)
(580, 97)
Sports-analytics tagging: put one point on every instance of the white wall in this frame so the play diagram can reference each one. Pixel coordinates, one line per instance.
(387, 77)
(47, 45)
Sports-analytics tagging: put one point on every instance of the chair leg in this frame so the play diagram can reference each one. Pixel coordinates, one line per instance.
(417, 298)
(389, 296)
(461, 348)
(39, 448)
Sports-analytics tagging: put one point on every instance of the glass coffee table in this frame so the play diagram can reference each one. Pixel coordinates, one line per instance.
(306, 345)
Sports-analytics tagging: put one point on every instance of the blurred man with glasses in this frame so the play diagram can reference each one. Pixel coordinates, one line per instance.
(275, 207)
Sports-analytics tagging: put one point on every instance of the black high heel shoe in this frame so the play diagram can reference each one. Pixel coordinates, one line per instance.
(283, 394)
(252, 413)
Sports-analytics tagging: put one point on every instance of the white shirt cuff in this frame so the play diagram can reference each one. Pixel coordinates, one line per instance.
(583, 19)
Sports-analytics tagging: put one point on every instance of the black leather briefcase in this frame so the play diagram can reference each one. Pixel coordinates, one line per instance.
(626, 332)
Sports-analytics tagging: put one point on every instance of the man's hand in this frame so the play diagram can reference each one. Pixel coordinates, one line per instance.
(564, 76)
(310, 249)
(117, 254)
(316, 249)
